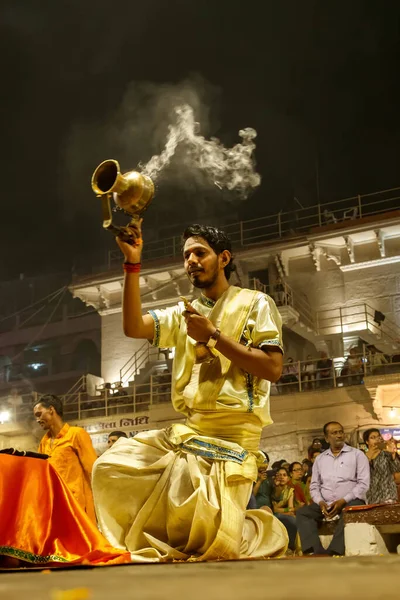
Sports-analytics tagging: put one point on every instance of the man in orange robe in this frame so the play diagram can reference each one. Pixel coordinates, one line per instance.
(70, 450)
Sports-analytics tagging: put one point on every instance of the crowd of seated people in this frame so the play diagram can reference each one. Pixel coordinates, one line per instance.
(304, 493)
(313, 373)
(318, 373)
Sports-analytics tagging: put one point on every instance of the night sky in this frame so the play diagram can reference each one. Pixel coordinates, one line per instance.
(82, 82)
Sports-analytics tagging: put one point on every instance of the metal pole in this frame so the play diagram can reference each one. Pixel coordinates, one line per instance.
(333, 373)
(106, 401)
(359, 206)
(79, 406)
(319, 215)
(279, 224)
(364, 361)
(241, 232)
(299, 372)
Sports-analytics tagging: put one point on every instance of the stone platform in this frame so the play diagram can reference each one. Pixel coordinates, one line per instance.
(368, 578)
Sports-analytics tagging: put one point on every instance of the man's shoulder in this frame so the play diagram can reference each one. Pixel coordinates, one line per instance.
(77, 431)
(260, 298)
(323, 453)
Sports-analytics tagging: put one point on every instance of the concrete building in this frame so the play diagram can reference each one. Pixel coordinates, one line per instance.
(334, 271)
(48, 341)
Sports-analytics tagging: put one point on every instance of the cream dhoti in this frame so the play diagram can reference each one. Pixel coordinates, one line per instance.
(176, 495)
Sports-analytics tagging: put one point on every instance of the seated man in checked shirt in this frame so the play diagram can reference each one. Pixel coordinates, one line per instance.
(340, 477)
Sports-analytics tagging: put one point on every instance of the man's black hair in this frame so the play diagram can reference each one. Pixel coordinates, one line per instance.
(117, 434)
(215, 238)
(368, 432)
(51, 400)
(330, 423)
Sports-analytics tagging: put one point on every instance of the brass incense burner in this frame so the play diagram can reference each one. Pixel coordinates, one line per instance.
(132, 192)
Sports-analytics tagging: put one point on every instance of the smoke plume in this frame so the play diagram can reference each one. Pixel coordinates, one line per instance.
(231, 168)
(156, 128)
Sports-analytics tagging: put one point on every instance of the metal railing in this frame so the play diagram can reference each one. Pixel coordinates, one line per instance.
(315, 374)
(327, 373)
(283, 224)
(347, 319)
(138, 360)
(342, 320)
(284, 295)
(119, 400)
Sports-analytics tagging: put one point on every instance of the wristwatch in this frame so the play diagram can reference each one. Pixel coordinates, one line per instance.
(213, 339)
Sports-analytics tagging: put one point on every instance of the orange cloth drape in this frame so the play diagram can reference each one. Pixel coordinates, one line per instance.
(41, 522)
(72, 455)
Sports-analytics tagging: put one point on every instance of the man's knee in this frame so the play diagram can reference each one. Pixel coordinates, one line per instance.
(301, 512)
(307, 511)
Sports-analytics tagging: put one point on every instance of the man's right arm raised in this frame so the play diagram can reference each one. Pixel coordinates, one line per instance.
(135, 324)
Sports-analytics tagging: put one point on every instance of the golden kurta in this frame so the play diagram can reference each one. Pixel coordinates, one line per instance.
(72, 454)
(181, 493)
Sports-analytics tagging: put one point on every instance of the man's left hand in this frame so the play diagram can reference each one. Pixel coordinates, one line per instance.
(199, 328)
(336, 508)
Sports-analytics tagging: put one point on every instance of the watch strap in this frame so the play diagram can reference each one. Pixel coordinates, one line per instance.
(213, 339)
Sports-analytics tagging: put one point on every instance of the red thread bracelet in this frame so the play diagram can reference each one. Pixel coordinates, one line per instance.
(132, 267)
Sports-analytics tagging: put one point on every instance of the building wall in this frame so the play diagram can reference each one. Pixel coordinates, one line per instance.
(116, 348)
(331, 288)
(25, 441)
(297, 347)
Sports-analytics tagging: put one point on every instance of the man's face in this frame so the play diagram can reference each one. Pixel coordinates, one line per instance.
(111, 440)
(202, 264)
(335, 436)
(44, 416)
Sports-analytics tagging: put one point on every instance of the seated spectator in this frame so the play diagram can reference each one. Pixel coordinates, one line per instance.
(279, 292)
(354, 367)
(377, 361)
(283, 505)
(340, 478)
(301, 490)
(324, 370)
(314, 455)
(307, 470)
(114, 436)
(290, 375)
(309, 373)
(316, 445)
(278, 464)
(384, 463)
(262, 490)
(283, 494)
